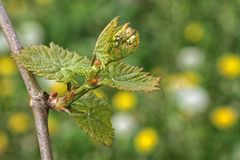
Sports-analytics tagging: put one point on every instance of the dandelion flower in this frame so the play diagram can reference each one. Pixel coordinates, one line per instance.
(19, 122)
(7, 66)
(229, 65)
(146, 140)
(124, 101)
(223, 117)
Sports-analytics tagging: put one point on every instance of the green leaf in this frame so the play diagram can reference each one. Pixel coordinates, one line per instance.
(93, 115)
(115, 42)
(104, 41)
(130, 78)
(54, 62)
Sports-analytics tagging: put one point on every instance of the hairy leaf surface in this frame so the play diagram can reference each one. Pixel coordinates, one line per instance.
(130, 78)
(53, 62)
(115, 42)
(93, 115)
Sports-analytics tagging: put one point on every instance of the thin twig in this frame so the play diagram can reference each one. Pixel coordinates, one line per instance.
(38, 99)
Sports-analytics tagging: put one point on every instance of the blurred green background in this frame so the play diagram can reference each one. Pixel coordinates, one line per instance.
(193, 45)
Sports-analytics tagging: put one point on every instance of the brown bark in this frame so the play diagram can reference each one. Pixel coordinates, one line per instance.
(38, 102)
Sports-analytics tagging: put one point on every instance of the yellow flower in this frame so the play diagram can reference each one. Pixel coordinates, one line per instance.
(192, 77)
(52, 125)
(194, 32)
(7, 66)
(7, 86)
(229, 65)
(146, 140)
(19, 122)
(223, 117)
(185, 79)
(124, 101)
(3, 142)
(60, 88)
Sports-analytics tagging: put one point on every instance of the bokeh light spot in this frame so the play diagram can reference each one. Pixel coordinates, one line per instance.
(229, 65)
(194, 32)
(146, 140)
(19, 122)
(4, 142)
(124, 101)
(223, 117)
(7, 66)
(60, 88)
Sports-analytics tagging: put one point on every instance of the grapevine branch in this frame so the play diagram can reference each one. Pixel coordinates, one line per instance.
(37, 98)
(91, 113)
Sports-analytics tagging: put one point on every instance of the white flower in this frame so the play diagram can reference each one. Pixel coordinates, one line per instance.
(190, 58)
(192, 99)
(124, 124)
(31, 32)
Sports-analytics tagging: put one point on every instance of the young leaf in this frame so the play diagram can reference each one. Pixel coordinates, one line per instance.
(104, 40)
(115, 42)
(130, 78)
(53, 62)
(93, 115)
